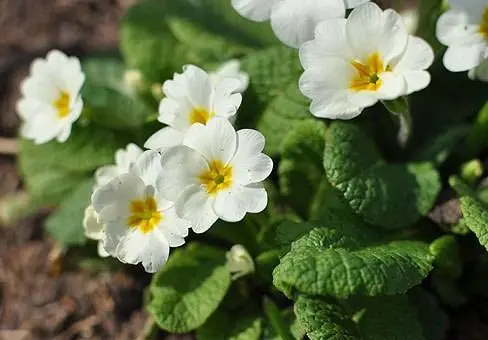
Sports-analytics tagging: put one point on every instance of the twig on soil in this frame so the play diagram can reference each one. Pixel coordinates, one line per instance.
(78, 327)
(8, 146)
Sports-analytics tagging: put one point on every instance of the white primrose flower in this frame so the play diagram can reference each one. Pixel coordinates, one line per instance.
(139, 224)
(231, 69)
(216, 173)
(352, 63)
(124, 158)
(464, 29)
(294, 21)
(51, 99)
(192, 97)
(94, 229)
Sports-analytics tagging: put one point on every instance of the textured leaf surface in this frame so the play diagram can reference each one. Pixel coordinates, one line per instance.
(342, 257)
(231, 326)
(475, 212)
(110, 102)
(379, 318)
(66, 224)
(282, 114)
(388, 195)
(325, 320)
(301, 167)
(271, 72)
(189, 288)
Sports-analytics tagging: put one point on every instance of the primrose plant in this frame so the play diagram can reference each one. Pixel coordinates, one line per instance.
(229, 157)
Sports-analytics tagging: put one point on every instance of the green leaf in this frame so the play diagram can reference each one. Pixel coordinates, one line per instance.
(287, 315)
(447, 255)
(271, 72)
(214, 26)
(66, 224)
(301, 167)
(111, 103)
(392, 196)
(387, 318)
(189, 288)
(284, 112)
(345, 261)
(146, 41)
(325, 320)
(475, 212)
(430, 314)
(231, 326)
(478, 136)
(379, 318)
(53, 169)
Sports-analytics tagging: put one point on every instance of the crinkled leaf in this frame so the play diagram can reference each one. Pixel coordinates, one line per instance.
(301, 167)
(388, 195)
(322, 319)
(272, 71)
(347, 261)
(475, 212)
(110, 102)
(296, 329)
(432, 317)
(236, 325)
(66, 224)
(189, 288)
(282, 114)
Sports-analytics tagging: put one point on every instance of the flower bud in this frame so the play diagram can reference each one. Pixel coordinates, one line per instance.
(239, 262)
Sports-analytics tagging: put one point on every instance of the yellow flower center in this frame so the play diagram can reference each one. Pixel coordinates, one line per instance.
(62, 104)
(218, 177)
(144, 214)
(484, 24)
(367, 76)
(200, 115)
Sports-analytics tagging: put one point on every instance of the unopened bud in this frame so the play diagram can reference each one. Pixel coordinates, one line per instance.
(239, 262)
(134, 80)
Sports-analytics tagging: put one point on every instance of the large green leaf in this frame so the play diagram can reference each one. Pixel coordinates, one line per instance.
(388, 195)
(110, 102)
(379, 318)
(189, 288)
(66, 224)
(146, 41)
(345, 260)
(214, 26)
(237, 325)
(53, 169)
(272, 71)
(301, 167)
(283, 113)
(325, 320)
(475, 211)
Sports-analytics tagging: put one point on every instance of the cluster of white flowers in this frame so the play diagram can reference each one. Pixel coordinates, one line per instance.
(464, 30)
(198, 168)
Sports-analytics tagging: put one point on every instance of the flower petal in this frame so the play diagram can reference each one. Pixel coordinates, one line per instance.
(464, 57)
(196, 206)
(257, 10)
(215, 141)
(232, 205)
(294, 22)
